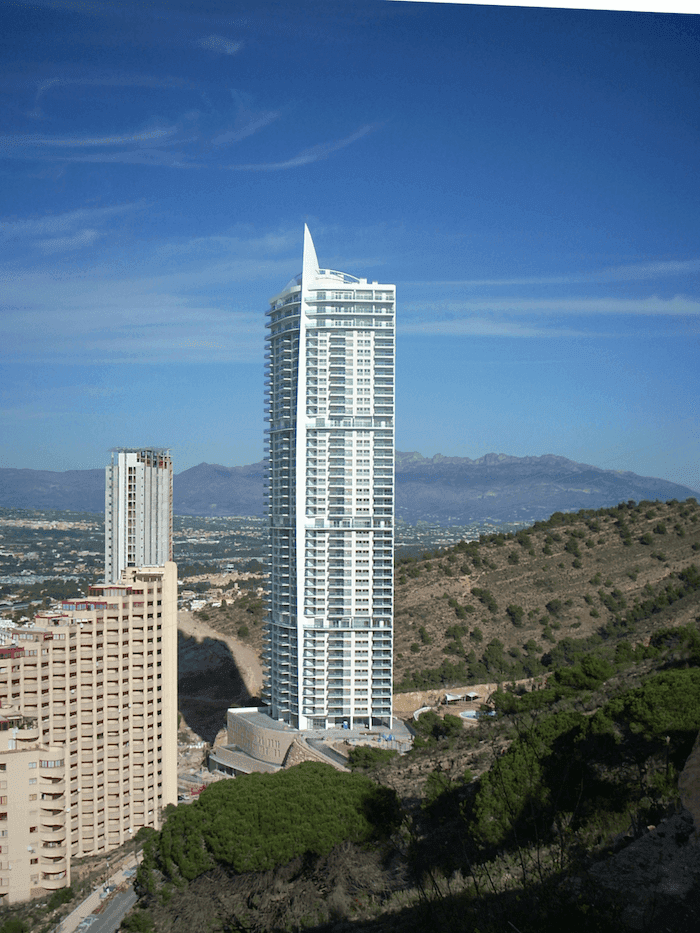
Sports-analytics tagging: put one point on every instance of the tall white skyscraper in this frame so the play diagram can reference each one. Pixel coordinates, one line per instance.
(138, 510)
(330, 452)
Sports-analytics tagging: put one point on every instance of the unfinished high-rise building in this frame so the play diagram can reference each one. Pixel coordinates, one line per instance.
(138, 510)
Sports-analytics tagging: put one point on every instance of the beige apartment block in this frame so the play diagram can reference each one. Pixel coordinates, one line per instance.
(99, 678)
(34, 857)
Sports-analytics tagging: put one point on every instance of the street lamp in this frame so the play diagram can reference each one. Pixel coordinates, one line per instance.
(136, 860)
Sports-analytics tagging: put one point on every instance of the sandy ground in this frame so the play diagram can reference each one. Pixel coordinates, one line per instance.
(245, 657)
(406, 704)
(215, 672)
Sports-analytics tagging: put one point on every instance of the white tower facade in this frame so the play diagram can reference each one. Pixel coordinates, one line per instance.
(138, 510)
(330, 452)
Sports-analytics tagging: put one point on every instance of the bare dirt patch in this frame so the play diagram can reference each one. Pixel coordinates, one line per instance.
(215, 671)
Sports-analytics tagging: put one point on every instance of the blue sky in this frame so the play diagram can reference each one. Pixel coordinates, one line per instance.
(528, 178)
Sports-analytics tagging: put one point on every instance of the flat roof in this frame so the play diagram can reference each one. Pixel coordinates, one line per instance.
(258, 717)
(232, 757)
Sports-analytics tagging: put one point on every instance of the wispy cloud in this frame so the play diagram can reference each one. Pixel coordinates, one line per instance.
(145, 156)
(307, 156)
(46, 85)
(219, 44)
(626, 273)
(70, 230)
(190, 143)
(146, 140)
(155, 156)
(61, 244)
(679, 305)
(248, 129)
(245, 246)
(146, 135)
(479, 326)
(203, 304)
(128, 326)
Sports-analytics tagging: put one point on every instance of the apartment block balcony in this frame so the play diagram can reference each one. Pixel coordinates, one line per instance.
(51, 810)
(53, 881)
(54, 850)
(52, 787)
(54, 863)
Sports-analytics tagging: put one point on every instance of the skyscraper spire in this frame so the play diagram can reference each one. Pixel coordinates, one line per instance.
(309, 262)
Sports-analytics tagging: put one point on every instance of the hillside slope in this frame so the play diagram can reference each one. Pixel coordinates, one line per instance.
(564, 811)
(489, 611)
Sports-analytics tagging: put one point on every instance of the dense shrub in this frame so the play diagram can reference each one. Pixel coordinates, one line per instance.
(515, 613)
(260, 821)
(364, 757)
(62, 896)
(14, 925)
(554, 607)
(588, 674)
(569, 769)
(431, 727)
(613, 601)
(514, 793)
(486, 597)
(447, 674)
(138, 922)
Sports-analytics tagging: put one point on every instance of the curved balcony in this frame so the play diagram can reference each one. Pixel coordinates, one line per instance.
(52, 787)
(51, 814)
(52, 809)
(50, 863)
(57, 851)
(28, 735)
(52, 882)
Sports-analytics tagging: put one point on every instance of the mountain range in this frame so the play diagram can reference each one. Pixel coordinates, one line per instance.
(442, 490)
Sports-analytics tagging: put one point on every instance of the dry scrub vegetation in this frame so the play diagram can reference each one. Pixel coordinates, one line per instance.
(526, 820)
(491, 609)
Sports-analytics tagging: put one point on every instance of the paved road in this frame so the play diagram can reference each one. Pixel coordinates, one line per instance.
(113, 909)
(319, 745)
(114, 912)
